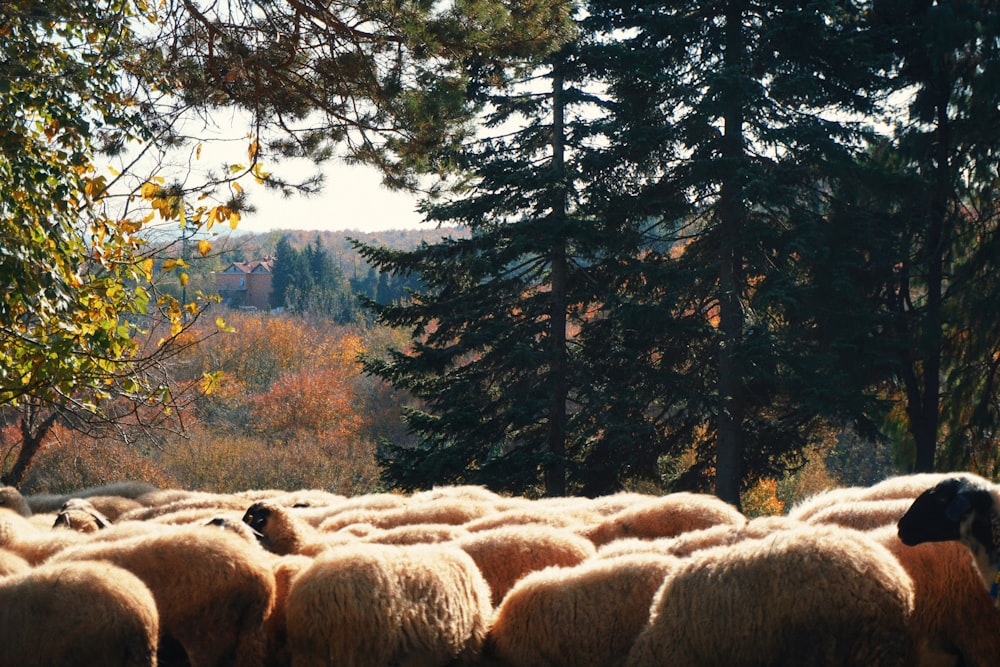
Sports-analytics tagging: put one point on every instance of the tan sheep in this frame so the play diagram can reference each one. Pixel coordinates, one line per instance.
(377, 604)
(285, 569)
(443, 510)
(212, 591)
(11, 499)
(210, 502)
(863, 514)
(533, 515)
(419, 533)
(80, 515)
(666, 516)
(281, 532)
(818, 596)
(91, 614)
(11, 563)
(505, 555)
(585, 616)
(685, 544)
(19, 535)
(954, 620)
(804, 509)
(51, 502)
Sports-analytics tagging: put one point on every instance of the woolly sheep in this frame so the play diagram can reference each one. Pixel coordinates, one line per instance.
(586, 616)
(80, 515)
(51, 502)
(531, 515)
(863, 514)
(666, 516)
(954, 620)
(804, 509)
(442, 510)
(212, 592)
(420, 533)
(210, 502)
(817, 596)
(962, 509)
(34, 544)
(375, 605)
(11, 563)
(285, 569)
(77, 614)
(685, 544)
(505, 555)
(12, 499)
(281, 532)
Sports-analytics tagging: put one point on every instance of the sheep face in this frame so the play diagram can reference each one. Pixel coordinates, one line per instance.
(956, 509)
(257, 517)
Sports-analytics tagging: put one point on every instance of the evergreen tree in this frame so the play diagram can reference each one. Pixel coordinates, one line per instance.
(492, 362)
(744, 93)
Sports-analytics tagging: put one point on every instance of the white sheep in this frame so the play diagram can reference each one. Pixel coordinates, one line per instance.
(665, 516)
(817, 596)
(376, 605)
(11, 498)
(91, 614)
(212, 590)
(505, 555)
(862, 514)
(585, 616)
(33, 543)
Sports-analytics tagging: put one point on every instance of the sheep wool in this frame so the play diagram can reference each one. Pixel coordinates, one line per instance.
(863, 514)
(212, 591)
(372, 605)
(283, 533)
(505, 555)
(954, 620)
(91, 614)
(819, 596)
(12, 499)
(666, 516)
(585, 616)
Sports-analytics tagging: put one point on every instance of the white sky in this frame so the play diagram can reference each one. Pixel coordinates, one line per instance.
(352, 198)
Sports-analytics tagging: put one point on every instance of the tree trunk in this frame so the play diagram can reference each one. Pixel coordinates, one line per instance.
(32, 435)
(729, 445)
(555, 469)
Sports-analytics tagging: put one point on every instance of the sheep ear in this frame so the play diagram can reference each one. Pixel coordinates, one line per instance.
(959, 506)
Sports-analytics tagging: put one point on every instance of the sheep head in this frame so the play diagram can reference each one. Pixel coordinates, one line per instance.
(956, 509)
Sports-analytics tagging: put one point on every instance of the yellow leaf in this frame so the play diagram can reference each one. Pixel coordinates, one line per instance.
(184, 279)
(234, 219)
(237, 187)
(149, 190)
(114, 172)
(253, 149)
(197, 152)
(204, 247)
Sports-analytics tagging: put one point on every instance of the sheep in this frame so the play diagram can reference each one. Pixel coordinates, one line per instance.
(19, 535)
(954, 621)
(419, 533)
(212, 591)
(962, 509)
(443, 510)
(49, 502)
(378, 604)
(806, 508)
(285, 569)
(11, 563)
(532, 515)
(817, 596)
(586, 616)
(863, 514)
(12, 499)
(505, 555)
(685, 544)
(665, 516)
(210, 502)
(77, 614)
(281, 532)
(80, 515)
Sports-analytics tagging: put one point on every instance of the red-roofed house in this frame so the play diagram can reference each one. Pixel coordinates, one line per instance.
(246, 284)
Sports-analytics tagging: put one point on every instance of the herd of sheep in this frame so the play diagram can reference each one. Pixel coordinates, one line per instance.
(126, 576)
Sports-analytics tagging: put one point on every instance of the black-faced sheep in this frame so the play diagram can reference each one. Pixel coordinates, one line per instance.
(283, 533)
(820, 596)
(959, 509)
(586, 616)
(374, 605)
(954, 620)
(91, 614)
(212, 591)
(666, 516)
(505, 555)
